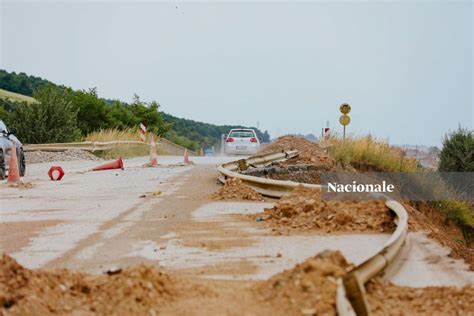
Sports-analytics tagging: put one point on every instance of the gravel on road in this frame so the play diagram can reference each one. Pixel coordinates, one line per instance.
(50, 156)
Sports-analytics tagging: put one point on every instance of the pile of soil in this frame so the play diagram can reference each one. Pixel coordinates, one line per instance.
(50, 156)
(388, 299)
(307, 289)
(133, 291)
(310, 289)
(304, 210)
(309, 152)
(235, 189)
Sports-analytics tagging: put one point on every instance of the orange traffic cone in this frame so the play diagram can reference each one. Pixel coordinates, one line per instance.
(153, 155)
(117, 164)
(13, 172)
(186, 157)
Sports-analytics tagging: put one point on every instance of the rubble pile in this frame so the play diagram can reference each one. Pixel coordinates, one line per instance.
(50, 156)
(133, 291)
(307, 289)
(235, 189)
(304, 210)
(309, 152)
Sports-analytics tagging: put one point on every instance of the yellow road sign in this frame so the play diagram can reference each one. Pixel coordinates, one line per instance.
(345, 109)
(344, 119)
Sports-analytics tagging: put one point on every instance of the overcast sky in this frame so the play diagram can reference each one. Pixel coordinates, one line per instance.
(404, 66)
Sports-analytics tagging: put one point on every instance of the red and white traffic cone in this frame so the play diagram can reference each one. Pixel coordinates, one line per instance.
(153, 155)
(116, 164)
(186, 157)
(13, 171)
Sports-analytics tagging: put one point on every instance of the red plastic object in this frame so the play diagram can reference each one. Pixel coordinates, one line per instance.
(116, 164)
(56, 173)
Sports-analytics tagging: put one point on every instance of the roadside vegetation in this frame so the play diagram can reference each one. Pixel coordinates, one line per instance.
(370, 154)
(457, 155)
(86, 112)
(125, 150)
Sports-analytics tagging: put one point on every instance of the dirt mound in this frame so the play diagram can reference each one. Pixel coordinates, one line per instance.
(307, 289)
(235, 189)
(309, 152)
(133, 291)
(388, 299)
(310, 289)
(304, 210)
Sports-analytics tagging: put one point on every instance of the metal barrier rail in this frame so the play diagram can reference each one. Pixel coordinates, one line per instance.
(87, 146)
(351, 296)
(102, 146)
(267, 187)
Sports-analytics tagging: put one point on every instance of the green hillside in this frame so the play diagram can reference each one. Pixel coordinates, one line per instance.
(93, 113)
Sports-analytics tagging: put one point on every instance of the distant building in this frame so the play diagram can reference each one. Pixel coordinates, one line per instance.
(428, 157)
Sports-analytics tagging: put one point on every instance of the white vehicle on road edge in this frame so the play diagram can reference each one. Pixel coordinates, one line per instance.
(242, 141)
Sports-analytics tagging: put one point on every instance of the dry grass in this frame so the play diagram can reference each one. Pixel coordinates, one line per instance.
(125, 150)
(372, 152)
(368, 151)
(12, 96)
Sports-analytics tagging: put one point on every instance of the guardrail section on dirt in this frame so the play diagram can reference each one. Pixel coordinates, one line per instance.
(351, 297)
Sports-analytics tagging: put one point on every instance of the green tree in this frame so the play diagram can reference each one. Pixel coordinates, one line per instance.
(148, 113)
(51, 119)
(457, 153)
(120, 115)
(92, 112)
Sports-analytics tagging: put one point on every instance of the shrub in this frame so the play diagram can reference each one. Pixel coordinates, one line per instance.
(457, 154)
(52, 119)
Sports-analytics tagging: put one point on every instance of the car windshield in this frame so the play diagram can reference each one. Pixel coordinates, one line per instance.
(3, 127)
(241, 134)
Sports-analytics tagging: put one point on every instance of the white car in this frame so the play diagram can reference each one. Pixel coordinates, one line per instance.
(242, 142)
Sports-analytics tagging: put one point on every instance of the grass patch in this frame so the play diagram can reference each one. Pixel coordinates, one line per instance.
(12, 96)
(372, 153)
(121, 150)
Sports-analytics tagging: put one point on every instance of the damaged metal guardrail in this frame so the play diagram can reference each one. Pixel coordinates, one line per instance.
(267, 187)
(351, 296)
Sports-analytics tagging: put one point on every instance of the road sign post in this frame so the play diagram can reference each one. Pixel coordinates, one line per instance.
(344, 119)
